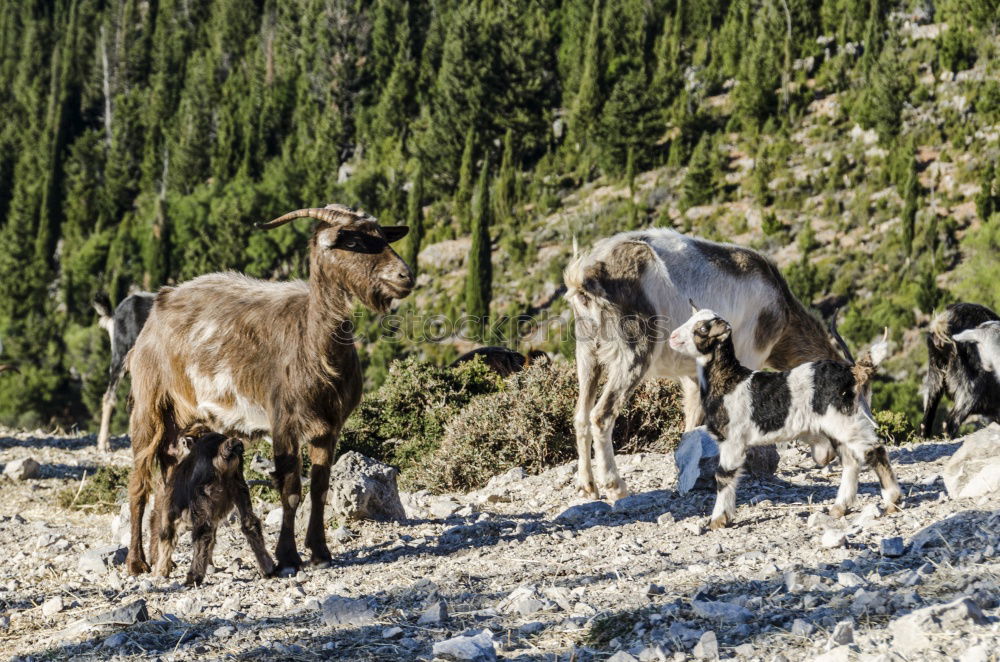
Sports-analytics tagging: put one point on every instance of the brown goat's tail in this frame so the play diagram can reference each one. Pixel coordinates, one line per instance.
(148, 430)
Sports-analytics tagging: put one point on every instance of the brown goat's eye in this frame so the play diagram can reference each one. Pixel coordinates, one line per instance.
(359, 242)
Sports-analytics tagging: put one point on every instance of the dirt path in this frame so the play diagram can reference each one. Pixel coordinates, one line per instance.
(639, 581)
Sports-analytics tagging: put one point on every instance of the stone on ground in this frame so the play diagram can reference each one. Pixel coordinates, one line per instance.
(52, 606)
(922, 628)
(583, 512)
(130, 614)
(974, 470)
(474, 648)
(721, 611)
(891, 547)
(707, 647)
(99, 559)
(843, 633)
(436, 612)
(697, 458)
(363, 488)
(22, 469)
(833, 538)
(347, 611)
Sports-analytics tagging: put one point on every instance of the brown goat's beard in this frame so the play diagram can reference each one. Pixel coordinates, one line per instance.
(381, 300)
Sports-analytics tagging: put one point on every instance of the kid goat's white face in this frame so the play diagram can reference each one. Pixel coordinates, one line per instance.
(682, 339)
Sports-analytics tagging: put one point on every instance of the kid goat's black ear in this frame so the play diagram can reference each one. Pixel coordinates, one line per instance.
(694, 308)
(395, 232)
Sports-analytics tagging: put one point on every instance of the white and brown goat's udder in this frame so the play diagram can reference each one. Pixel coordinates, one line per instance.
(218, 400)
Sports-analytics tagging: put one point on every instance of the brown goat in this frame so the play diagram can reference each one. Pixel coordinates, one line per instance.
(248, 356)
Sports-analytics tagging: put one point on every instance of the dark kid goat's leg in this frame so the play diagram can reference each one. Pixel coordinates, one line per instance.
(202, 533)
(250, 525)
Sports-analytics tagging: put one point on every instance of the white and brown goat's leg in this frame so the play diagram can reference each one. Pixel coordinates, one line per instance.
(588, 370)
(622, 380)
(694, 414)
(732, 455)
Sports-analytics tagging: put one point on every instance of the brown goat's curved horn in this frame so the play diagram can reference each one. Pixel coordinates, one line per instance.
(328, 215)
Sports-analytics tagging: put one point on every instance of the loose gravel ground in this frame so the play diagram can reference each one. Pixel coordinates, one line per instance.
(636, 580)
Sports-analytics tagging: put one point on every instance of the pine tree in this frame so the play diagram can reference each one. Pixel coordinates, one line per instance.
(506, 187)
(630, 171)
(889, 82)
(699, 181)
(479, 280)
(873, 36)
(910, 207)
(415, 218)
(988, 198)
(463, 197)
(586, 104)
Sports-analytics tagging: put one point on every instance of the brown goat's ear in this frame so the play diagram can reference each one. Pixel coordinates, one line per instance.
(395, 232)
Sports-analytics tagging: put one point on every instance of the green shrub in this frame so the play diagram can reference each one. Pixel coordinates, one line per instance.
(979, 274)
(403, 420)
(530, 424)
(101, 491)
(893, 427)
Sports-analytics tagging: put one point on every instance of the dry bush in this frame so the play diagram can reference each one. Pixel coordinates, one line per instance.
(402, 421)
(102, 490)
(529, 423)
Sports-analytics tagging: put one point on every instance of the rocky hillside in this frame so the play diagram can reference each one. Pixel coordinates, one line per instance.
(520, 570)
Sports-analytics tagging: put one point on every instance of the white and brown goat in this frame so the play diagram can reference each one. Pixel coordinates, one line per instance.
(820, 400)
(632, 289)
(248, 356)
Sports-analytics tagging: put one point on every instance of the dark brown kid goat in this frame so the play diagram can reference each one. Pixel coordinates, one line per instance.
(203, 489)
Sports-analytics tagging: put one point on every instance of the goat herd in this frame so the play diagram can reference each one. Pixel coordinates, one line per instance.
(225, 356)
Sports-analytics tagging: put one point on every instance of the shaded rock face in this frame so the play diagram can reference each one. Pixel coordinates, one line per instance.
(974, 470)
(363, 488)
(697, 457)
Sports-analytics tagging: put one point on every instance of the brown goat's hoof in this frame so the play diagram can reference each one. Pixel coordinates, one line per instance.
(288, 558)
(836, 512)
(137, 566)
(193, 580)
(320, 561)
(894, 507)
(720, 522)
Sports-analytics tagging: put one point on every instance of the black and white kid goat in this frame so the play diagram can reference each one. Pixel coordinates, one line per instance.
(817, 401)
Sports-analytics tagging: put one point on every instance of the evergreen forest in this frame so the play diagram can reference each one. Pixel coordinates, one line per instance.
(855, 141)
